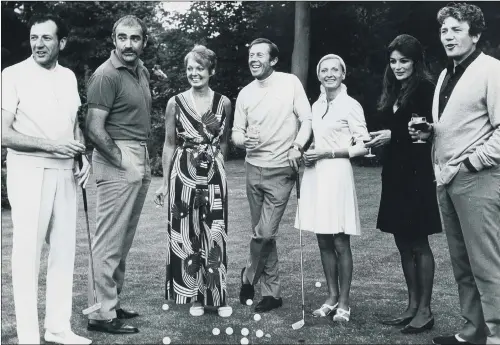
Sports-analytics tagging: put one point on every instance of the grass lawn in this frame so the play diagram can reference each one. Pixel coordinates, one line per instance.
(378, 287)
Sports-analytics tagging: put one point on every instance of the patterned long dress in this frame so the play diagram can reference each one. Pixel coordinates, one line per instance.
(197, 227)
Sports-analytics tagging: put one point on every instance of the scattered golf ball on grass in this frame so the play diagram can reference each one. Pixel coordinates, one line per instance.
(249, 302)
(229, 331)
(166, 340)
(165, 306)
(268, 335)
(256, 317)
(318, 284)
(259, 333)
(244, 341)
(244, 331)
(216, 331)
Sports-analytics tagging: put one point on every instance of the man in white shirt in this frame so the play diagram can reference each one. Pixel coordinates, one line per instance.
(40, 101)
(266, 123)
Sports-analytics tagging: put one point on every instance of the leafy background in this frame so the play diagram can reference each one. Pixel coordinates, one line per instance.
(357, 31)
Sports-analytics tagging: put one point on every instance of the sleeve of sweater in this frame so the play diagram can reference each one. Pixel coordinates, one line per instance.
(302, 109)
(488, 154)
(239, 121)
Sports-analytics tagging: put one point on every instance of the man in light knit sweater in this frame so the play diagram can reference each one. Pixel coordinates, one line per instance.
(466, 155)
(40, 101)
(273, 103)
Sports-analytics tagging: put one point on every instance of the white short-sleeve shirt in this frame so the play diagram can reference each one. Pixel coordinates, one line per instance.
(44, 102)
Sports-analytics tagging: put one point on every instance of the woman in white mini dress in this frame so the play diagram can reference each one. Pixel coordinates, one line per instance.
(328, 204)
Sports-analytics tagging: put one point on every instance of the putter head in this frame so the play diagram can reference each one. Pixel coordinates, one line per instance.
(298, 324)
(91, 309)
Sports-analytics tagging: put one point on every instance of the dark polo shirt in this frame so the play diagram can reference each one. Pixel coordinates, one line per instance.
(115, 88)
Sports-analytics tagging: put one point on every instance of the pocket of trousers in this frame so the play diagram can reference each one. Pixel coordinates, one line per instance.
(132, 174)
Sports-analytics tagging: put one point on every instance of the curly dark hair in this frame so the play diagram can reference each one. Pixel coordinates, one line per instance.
(392, 90)
(463, 12)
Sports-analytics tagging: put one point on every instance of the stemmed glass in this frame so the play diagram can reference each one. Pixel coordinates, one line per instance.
(365, 140)
(253, 132)
(419, 123)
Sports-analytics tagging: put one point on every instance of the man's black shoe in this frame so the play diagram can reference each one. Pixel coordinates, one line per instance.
(247, 292)
(126, 314)
(268, 303)
(113, 326)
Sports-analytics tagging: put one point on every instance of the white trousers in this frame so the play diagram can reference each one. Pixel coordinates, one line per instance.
(43, 209)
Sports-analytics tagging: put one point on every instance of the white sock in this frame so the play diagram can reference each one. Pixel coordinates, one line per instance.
(459, 338)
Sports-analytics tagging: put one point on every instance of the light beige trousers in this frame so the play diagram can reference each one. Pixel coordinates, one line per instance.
(43, 209)
(470, 210)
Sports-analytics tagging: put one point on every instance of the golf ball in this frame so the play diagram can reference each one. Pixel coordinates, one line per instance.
(244, 331)
(249, 302)
(229, 331)
(268, 335)
(166, 340)
(165, 306)
(256, 317)
(318, 284)
(259, 333)
(216, 331)
(244, 341)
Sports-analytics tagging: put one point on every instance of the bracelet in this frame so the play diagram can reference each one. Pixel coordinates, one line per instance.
(298, 148)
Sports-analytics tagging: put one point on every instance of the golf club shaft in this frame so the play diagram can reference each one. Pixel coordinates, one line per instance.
(297, 186)
(85, 208)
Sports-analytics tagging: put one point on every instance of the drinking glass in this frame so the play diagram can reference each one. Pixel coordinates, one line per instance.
(365, 140)
(419, 123)
(253, 132)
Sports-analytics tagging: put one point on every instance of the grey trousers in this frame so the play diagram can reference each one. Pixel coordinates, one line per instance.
(120, 198)
(470, 210)
(268, 191)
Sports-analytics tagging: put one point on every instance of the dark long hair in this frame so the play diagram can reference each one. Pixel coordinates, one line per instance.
(410, 47)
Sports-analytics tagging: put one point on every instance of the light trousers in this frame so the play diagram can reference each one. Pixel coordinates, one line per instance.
(120, 198)
(470, 210)
(268, 191)
(43, 205)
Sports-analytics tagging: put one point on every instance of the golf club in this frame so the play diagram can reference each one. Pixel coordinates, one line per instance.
(300, 324)
(96, 306)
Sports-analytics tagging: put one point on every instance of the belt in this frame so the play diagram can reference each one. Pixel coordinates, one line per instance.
(140, 142)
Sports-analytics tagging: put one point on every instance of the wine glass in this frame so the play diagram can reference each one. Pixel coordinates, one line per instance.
(365, 140)
(418, 123)
(253, 132)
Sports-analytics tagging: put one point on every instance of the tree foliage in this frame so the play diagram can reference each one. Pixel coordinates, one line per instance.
(357, 31)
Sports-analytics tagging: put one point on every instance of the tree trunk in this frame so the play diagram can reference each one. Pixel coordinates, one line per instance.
(300, 55)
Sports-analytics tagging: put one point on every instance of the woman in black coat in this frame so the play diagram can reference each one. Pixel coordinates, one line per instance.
(408, 205)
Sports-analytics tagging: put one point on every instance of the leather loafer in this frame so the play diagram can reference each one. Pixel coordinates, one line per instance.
(126, 314)
(414, 330)
(400, 321)
(268, 303)
(113, 326)
(247, 291)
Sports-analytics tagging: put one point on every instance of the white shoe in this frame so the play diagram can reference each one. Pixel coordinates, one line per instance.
(225, 311)
(67, 337)
(197, 309)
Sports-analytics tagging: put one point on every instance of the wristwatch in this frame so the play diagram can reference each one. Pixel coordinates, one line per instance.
(298, 148)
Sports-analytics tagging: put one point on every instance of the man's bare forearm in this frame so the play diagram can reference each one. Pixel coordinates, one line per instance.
(105, 145)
